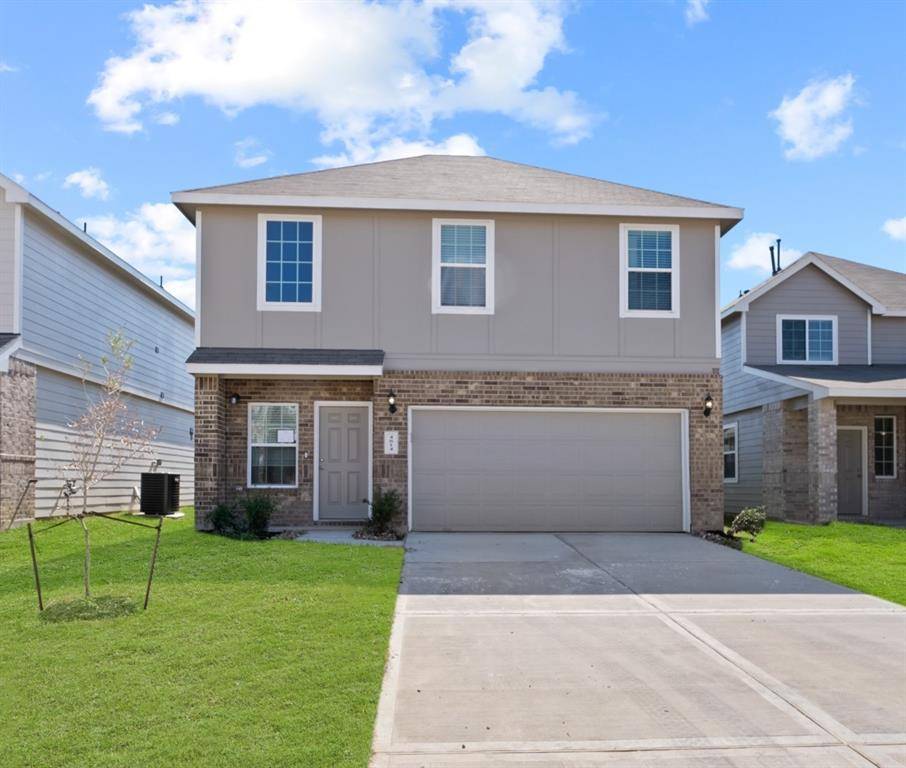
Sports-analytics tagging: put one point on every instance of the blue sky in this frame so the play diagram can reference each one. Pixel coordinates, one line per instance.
(795, 115)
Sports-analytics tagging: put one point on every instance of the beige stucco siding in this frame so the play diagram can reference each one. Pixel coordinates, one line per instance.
(556, 307)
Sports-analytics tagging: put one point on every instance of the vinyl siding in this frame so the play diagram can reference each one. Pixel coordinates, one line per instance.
(7, 264)
(72, 301)
(744, 390)
(556, 307)
(746, 492)
(808, 292)
(888, 340)
(60, 400)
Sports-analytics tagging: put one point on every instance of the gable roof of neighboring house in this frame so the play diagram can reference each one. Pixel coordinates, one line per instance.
(883, 289)
(15, 193)
(460, 183)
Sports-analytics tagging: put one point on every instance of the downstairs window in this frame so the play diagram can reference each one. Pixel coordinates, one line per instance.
(273, 446)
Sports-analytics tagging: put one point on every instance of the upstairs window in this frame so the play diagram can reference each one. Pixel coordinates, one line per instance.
(273, 447)
(731, 453)
(885, 446)
(806, 339)
(462, 280)
(649, 270)
(289, 262)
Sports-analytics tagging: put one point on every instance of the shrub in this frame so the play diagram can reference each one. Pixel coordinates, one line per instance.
(223, 520)
(750, 520)
(384, 509)
(258, 511)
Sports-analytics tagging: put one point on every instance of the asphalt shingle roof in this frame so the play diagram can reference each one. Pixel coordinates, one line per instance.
(886, 285)
(455, 178)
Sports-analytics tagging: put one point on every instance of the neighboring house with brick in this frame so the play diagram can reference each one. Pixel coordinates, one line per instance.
(61, 294)
(512, 348)
(814, 368)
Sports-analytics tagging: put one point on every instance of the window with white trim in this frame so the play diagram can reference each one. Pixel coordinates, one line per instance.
(273, 447)
(462, 280)
(807, 339)
(289, 262)
(731, 453)
(886, 446)
(649, 270)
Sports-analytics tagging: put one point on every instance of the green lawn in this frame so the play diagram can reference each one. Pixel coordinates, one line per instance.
(869, 558)
(251, 653)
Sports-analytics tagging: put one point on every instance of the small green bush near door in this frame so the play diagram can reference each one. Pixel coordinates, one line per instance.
(869, 558)
(252, 653)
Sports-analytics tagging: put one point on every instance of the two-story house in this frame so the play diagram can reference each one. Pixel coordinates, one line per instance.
(814, 368)
(512, 348)
(62, 294)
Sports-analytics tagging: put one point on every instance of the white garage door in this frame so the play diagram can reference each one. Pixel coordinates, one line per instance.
(564, 470)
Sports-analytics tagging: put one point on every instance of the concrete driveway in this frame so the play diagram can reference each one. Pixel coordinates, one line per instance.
(631, 650)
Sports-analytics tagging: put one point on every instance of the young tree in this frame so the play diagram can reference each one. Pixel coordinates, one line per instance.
(107, 437)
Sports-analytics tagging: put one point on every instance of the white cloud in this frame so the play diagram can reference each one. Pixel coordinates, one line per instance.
(43, 176)
(895, 228)
(166, 118)
(459, 144)
(249, 153)
(4, 67)
(90, 183)
(19, 178)
(696, 12)
(754, 254)
(814, 122)
(157, 240)
(370, 72)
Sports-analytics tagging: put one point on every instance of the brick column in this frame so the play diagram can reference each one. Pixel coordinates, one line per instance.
(210, 446)
(17, 442)
(822, 460)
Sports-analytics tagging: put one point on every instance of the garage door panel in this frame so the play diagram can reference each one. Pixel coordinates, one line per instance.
(530, 471)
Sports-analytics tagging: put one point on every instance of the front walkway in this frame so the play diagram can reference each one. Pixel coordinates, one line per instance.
(621, 650)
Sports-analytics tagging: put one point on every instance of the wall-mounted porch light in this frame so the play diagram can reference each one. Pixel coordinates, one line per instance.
(391, 402)
(709, 404)
(234, 399)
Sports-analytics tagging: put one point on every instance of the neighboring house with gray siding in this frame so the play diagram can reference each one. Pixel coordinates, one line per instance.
(510, 347)
(814, 371)
(65, 294)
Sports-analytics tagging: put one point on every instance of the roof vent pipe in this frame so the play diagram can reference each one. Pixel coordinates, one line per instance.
(778, 255)
(773, 265)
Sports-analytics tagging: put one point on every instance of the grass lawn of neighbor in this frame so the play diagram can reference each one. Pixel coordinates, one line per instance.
(869, 558)
(252, 653)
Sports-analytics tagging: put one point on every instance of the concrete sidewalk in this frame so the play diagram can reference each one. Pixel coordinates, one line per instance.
(634, 650)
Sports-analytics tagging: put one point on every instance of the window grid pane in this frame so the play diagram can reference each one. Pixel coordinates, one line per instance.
(884, 446)
(650, 290)
(793, 339)
(289, 267)
(463, 244)
(650, 250)
(820, 340)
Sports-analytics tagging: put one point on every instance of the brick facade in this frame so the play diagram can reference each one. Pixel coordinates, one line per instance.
(17, 441)
(221, 428)
(800, 459)
(886, 495)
